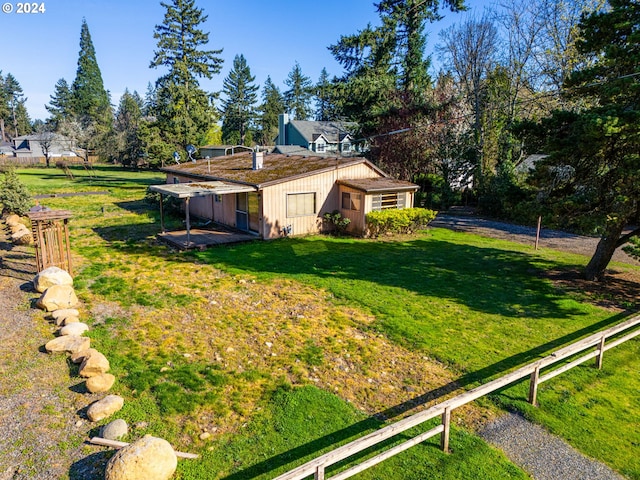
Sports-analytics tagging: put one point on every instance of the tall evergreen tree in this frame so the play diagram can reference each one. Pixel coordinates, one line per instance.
(385, 65)
(324, 98)
(298, 97)
(60, 105)
(238, 107)
(150, 102)
(180, 42)
(184, 111)
(90, 100)
(592, 174)
(386, 86)
(15, 110)
(271, 107)
(127, 125)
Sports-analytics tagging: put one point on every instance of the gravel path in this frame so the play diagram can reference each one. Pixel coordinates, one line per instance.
(42, 430)
(542, 455)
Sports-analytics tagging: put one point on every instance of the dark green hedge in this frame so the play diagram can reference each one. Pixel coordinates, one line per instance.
(405, 220)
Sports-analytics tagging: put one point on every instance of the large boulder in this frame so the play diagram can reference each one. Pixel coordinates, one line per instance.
(105, 408)
(22, 237)
(51, 276)
(93, 364)
(77, 328)
(57, 297)
(146, 458)
(16, 228)
(61, 316)
(12, 220)
(80, 355)
(68, 343)
(115, 430)
(100, 383)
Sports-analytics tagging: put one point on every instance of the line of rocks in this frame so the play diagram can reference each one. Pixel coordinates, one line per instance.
(148, 457)
(19, 232)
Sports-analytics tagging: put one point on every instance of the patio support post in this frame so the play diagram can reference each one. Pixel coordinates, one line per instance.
(161, 214)
(188, 222)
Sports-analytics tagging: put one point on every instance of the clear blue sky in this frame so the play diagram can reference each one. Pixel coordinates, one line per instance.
(41, 48)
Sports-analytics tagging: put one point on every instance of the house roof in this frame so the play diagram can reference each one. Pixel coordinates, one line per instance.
(54, 137)
(277, 168)
(298, 150)
(381, 184)
(333, 132)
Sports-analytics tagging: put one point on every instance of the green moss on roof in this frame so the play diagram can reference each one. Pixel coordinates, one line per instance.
(276, 167)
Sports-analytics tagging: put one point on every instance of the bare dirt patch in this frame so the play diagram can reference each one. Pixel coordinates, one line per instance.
(619, 292)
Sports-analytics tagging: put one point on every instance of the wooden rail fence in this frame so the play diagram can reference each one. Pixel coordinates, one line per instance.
(444, 409)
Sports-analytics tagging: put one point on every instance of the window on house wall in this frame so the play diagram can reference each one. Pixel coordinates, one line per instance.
(300, 204)
(382, 201)
(176, 180)
(320, 147)
(217, 198)
(351, 201)
(346, 147)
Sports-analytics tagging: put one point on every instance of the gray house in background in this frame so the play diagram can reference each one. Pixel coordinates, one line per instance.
(323, 138)
(39, 144)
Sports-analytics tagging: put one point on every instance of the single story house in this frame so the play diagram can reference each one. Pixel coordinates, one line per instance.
(271, 195)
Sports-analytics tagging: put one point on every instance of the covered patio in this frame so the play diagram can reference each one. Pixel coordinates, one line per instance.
(200, 238)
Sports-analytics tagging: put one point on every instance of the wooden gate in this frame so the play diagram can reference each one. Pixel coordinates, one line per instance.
(51, 235)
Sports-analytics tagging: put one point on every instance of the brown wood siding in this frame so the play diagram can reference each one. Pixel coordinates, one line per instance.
(324, 185)
(357, 224)
(273, 202)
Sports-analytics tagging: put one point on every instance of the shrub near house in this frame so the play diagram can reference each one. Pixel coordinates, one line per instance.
(406, 220)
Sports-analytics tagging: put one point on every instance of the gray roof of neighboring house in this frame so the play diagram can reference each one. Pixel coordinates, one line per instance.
(54, 137)
(5, 148)
(332, 131)
(298, 150)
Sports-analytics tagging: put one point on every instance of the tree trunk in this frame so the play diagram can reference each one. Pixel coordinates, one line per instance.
(607, 245)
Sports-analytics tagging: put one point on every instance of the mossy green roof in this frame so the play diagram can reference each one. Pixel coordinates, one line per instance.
(277, 168)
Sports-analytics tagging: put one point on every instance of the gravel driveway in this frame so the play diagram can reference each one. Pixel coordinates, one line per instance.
(553, 239)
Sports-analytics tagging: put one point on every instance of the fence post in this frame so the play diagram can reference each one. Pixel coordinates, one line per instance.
(600, 354)
(319, 473)
(446, 423)
(533, 386)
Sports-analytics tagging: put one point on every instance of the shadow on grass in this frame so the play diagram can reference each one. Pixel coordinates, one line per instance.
(294, 456)
(485, 279)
